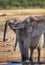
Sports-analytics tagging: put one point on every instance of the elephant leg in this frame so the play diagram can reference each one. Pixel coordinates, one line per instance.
(31, 54)
(38, 54)
(24, 51)
(25, 54)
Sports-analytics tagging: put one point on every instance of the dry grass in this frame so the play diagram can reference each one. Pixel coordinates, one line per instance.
(19, 14)
(23, 11)
(6, 49)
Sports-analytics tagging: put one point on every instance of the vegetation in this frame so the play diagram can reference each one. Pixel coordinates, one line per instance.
(21, 3)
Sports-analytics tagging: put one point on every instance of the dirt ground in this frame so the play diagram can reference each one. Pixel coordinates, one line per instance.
(7, 52)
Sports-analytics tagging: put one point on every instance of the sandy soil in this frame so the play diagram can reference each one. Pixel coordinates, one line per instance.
(7, 52)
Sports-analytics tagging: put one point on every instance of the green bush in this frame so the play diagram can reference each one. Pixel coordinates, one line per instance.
(22, 3)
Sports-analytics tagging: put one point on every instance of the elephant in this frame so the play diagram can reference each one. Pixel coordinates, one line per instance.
(28, 30)
(35, 38)
(13, 26)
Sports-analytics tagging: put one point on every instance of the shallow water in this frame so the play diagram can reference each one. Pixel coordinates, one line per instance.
(33, 63)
